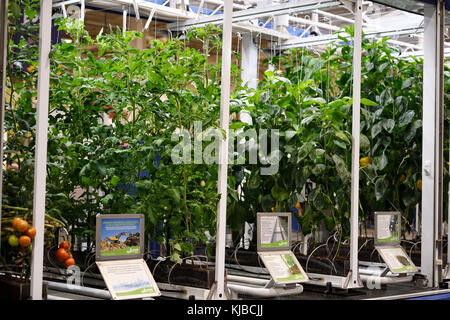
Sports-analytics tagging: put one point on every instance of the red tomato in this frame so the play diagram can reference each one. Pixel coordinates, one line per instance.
(69, 262)
(62, 255)
(64, 244)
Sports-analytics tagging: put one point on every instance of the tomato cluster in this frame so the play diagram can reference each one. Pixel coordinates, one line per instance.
(23, 234)
(63, 254)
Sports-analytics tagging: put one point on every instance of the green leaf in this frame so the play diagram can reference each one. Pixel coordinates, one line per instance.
(341, 168)
(364, 143)
(380, 187)
(177, 247)
(368, 102)
(175, 257)
(290, 134)
(329, 223)
(115, 181)
(254, 181)
(319, 169)
(174, 194)
(381, 161)
(279, 193)
(376, 129)
(318, 152)
(340, 144)
(406, 118)
(388, 125)
(407, 83)
(341, 135)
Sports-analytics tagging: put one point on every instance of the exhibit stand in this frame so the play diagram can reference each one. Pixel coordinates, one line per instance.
(119, 257)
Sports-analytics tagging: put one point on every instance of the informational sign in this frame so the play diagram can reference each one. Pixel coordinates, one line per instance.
(283, 267)
(119, 236)
(397, 260)
(387, 228)
(273, 231)
(128, 279)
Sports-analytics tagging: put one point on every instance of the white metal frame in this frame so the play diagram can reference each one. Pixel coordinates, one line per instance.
(3, 53)
(432, 185)
(40, 164)
(354, 280)
(220, 289)
(432, 154)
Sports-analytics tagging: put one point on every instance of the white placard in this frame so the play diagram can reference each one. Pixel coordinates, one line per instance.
(283, 267)
(128, 279)
(397, 260)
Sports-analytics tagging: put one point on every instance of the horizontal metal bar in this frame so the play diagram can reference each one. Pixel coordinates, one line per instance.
(147, 7)
(72, 288)
(64, 3)
(313, 41)
(250, 14)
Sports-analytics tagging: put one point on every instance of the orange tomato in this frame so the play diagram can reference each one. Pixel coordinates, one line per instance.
(69, 262)
(31, 232)
(22, 226)
(14, 222)
(24, 241)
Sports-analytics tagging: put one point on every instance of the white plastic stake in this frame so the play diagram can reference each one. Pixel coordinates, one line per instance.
(40, 164)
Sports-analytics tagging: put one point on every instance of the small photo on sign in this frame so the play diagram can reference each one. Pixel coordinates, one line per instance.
(120, 237)
(274, 232)
(388, 228)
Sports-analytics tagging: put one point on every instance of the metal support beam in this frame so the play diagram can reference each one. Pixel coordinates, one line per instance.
(3, 54)
(354, 280)
(249, 61)
(124, 20)
(432, 145)
(40, 163)
(82, 10)
(249, 14)
(220, 290)
(323, 40)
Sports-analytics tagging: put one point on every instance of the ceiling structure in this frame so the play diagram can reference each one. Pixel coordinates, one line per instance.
(283, 24)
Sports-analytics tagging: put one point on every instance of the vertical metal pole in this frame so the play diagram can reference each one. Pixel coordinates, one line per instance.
(428, 141)
(223, 152)
(124, 20)
(249, 64)
(354, 280)
(432, 144)
(3, 53)
(83, 10)
(439, 147)
(40, 165)
(447, 267)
